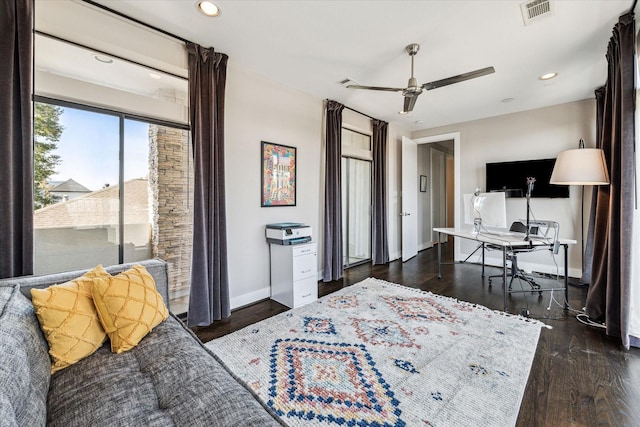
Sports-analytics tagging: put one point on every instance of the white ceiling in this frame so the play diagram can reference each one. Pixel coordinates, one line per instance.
(313, 45)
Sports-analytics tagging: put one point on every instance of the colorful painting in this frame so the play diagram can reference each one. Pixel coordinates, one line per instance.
(278, 175)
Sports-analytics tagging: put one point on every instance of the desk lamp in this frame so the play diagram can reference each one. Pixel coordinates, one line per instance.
(581, 166)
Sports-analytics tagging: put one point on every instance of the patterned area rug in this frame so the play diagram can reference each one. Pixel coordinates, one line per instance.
(381, 354)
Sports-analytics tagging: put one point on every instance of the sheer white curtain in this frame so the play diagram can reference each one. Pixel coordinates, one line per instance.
(360, 209)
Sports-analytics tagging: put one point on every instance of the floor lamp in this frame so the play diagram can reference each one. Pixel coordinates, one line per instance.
(581, 166)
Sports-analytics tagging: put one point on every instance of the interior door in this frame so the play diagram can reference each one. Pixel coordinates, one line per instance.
(409, 199)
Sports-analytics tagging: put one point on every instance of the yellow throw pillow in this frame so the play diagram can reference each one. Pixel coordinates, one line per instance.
(129, 307)
(69, 320)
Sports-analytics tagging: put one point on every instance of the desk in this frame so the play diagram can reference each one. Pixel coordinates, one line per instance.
(509, 242)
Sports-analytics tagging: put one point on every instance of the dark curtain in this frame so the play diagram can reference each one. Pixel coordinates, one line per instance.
(209, 296)
(16, 138)
(587, 257)
(380, 248)
(608, 299)
(333, 264)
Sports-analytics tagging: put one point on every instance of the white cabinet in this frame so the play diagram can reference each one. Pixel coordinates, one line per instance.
(294, 269)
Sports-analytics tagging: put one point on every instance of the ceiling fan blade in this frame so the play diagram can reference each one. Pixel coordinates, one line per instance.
(459, 78)
(386, 89)
(409, 103)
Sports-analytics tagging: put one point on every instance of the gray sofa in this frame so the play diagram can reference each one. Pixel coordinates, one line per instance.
(170, 378)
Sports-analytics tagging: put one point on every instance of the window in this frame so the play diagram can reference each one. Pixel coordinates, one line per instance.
(94, 205)
(122, 146)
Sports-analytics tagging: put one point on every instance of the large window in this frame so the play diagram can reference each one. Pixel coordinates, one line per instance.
(113, 161)
(97, 201)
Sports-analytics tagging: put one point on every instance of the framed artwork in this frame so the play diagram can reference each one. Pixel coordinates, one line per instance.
(278, 177)
(423, 183)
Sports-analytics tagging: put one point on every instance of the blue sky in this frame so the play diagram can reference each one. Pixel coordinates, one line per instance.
(88, 149)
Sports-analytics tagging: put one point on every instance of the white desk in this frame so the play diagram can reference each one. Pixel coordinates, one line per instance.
(508, 242)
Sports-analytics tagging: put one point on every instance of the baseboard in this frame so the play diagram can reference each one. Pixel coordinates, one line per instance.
(423, 246)
(256, 296)
(250, 298)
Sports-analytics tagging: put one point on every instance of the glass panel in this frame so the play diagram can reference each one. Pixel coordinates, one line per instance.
(359, 211)
(70, 72)
(137, 197)
(355, 139)
(171, 183)
(76, 217)
(356, 211)
(345, 210)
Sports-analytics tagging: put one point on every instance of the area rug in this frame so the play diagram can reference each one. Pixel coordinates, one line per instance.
(381, 354)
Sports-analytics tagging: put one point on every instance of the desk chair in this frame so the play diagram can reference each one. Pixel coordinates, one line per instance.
(512, 256)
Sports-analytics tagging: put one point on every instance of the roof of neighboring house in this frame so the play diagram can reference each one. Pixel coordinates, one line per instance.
(98, 208)
(69, 186)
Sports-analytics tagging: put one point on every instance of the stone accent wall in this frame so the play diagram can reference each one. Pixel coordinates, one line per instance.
(171, 182)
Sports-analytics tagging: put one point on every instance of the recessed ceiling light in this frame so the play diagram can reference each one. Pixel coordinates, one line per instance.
(155, 76)
(103, 59)
(507, 100)
(548, 76)
(208, 8)
(402, 113)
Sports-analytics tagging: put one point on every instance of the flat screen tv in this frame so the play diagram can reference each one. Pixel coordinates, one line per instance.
(511, 177)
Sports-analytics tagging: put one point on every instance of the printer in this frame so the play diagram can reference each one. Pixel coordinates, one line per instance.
(288, 233)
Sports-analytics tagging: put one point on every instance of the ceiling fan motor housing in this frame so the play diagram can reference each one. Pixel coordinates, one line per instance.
(412, 88)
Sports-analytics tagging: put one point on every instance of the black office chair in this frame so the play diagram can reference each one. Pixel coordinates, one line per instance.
(512, 256)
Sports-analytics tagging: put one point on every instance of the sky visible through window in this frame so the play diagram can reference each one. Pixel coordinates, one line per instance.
(89, 145)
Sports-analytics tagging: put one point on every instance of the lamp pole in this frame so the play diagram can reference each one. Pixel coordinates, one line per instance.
(530, 181)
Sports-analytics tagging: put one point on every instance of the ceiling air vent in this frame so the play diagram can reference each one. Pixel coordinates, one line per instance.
(535, 10)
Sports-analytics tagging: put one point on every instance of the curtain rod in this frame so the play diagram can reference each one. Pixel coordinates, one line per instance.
(356, 111)
(361, 113)
(137, 21)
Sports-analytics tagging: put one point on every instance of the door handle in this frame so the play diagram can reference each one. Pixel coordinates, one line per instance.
(404, 214)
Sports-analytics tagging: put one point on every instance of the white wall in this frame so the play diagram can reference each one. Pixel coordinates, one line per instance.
(534, 134)
(260, 110)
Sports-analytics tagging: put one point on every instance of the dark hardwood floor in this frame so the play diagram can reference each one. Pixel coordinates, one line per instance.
(579, 377)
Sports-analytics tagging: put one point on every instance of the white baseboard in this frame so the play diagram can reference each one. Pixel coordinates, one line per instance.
(423, 246)
(250, 298)
(255, 296)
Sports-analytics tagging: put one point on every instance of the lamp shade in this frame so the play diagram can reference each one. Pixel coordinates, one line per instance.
(582, 166)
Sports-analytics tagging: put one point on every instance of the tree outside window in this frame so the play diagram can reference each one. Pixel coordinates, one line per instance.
(47, 131)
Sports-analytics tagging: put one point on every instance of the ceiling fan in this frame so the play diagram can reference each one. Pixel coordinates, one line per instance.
(412, 90)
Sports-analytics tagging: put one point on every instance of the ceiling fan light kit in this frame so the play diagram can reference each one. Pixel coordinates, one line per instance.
(413, 89)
